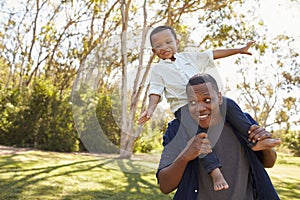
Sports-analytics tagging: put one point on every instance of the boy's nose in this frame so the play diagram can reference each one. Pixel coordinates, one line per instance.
(164, 48)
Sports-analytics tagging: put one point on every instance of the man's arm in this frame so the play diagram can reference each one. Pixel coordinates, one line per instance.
(170, 176)
(222, 53)
(146, 115)
(269, 158)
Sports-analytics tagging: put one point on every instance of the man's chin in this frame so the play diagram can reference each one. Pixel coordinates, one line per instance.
(203, 124)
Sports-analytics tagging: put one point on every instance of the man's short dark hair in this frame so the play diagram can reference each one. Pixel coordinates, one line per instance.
(203, 78)
(162, 28)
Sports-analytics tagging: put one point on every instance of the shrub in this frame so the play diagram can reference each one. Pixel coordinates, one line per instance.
(37, 117)
(292, 142)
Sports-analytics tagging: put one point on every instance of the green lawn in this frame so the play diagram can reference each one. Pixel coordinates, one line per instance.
(48, 175)
(285, 176)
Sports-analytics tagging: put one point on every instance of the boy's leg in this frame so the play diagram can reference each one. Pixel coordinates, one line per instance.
(192, 129)
(212, 166)
(236, 117)
(210, 161)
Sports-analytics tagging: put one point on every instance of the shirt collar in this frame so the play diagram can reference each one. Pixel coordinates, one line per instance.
(177, 57)
(169, 60)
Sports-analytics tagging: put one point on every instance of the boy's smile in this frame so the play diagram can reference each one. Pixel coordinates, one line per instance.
(164, 44)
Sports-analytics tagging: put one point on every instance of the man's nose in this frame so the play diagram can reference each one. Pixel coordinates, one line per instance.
(200, 106)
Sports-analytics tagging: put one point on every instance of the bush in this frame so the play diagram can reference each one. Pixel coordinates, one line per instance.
(38, 118)
(292, 142)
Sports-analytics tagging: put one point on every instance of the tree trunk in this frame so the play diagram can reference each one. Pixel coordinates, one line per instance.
(125, 135)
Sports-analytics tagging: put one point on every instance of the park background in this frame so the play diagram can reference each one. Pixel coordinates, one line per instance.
(74, 80)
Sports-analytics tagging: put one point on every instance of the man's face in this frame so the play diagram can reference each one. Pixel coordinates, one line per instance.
(164, 44)
(203, 103)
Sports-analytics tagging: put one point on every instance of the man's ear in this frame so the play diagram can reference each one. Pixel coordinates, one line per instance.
(220, 98)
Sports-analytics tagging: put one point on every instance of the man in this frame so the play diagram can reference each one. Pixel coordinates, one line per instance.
(182, 169)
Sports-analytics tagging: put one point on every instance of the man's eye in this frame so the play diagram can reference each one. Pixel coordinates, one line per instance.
(192, 102)
(207, 100)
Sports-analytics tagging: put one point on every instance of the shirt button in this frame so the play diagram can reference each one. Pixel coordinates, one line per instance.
(196, 190)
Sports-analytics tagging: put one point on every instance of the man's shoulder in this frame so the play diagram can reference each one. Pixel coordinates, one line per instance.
(171, 131)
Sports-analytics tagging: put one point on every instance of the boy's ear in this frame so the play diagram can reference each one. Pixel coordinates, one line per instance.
(154, 51)
(177, 42)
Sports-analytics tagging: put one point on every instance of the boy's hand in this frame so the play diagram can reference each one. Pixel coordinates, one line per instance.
(244, 50)
(145, 116)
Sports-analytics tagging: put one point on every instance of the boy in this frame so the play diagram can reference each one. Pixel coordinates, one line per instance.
(172, 73)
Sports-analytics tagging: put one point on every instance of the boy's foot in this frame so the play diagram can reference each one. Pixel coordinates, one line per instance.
(218, 180)
(266, 144)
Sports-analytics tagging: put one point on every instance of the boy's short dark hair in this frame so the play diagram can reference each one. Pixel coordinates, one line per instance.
(203, 78)
(162, 28)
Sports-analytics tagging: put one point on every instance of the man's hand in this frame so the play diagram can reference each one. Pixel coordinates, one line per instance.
(263, 139)
(197, 145)
(257, 133)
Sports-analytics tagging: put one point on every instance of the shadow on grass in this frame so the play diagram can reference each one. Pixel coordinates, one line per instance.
(17, 177)
(288, 189)
(23, 178)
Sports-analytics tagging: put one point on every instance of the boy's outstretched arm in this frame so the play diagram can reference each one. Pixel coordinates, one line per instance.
(145, 116)
(222, 53)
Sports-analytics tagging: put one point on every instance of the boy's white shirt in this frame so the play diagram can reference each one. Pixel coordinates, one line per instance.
(170, 77)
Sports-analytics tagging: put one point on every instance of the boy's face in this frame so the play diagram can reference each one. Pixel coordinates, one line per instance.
(203, 103)
(164, 44)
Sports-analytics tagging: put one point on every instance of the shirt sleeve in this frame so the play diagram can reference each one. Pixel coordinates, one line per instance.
(157, 84)
(174, 140)
(166, 158)
(205, 60)
(250, 118)
(201, 60)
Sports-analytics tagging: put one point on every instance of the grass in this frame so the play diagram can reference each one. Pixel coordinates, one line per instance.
(285, 176)
(48, 175)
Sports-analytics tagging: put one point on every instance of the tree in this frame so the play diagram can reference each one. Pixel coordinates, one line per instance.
(90, 45)
(171, 13)
(266, 87)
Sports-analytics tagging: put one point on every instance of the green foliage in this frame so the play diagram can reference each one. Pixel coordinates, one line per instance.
(292, 141)
(38, 118)
(11, 107)
(107, 120)
(93, 116)
(151, 137)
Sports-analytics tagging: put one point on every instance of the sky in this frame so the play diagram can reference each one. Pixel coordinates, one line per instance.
(280, 17)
